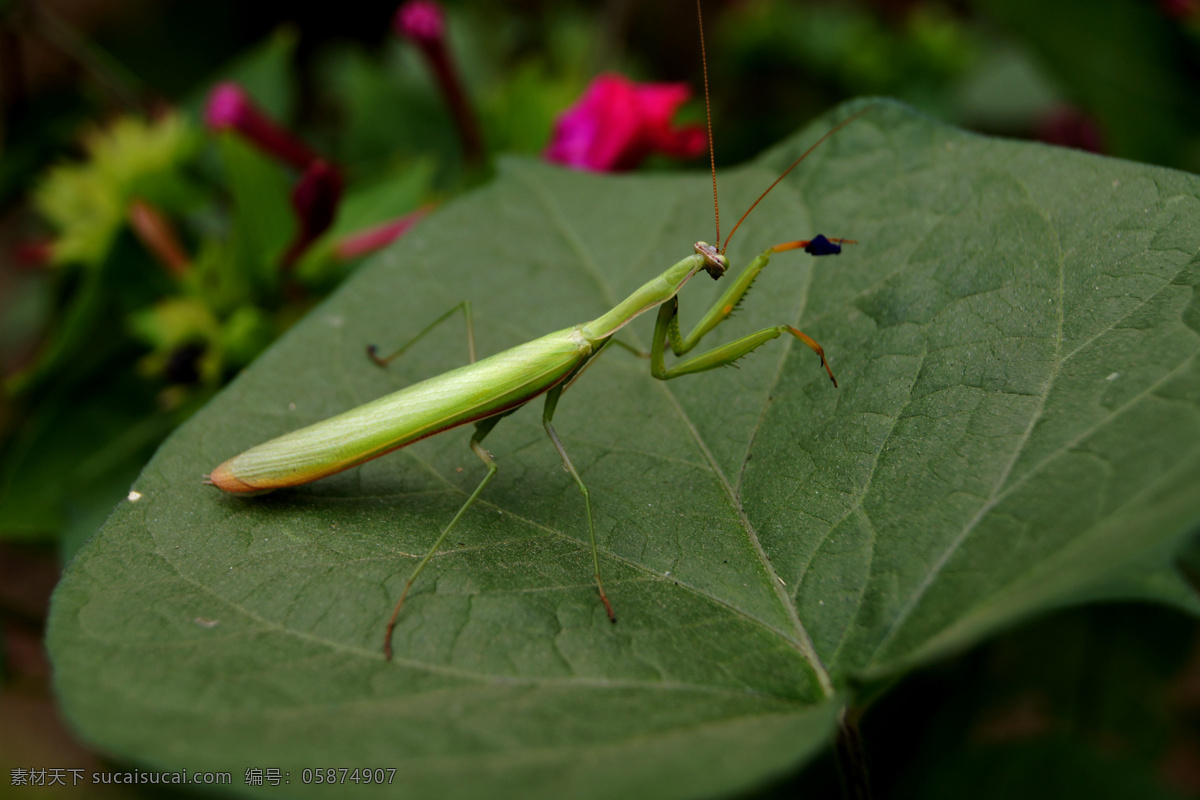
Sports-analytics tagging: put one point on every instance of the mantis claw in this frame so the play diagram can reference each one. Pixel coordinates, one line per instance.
(373, 354)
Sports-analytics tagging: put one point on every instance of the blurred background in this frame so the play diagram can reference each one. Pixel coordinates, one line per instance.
(181, 180)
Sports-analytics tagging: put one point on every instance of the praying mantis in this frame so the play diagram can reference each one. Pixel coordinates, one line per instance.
(483, 392)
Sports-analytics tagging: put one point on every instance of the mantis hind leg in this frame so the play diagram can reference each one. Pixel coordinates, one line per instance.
(482, 429)
(464, 306)
(548, 415)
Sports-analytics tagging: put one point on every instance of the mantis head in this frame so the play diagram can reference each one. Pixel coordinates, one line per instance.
(715, 263)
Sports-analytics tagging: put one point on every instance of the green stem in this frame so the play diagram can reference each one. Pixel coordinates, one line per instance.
(851, 758)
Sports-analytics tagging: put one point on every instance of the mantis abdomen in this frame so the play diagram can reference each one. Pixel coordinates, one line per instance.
(469, 393)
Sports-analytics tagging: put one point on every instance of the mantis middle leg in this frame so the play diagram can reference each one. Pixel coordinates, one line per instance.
(464, 306)
(548, 415)
(482, 429)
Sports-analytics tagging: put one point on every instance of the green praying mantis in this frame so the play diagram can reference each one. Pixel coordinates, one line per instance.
(484, 392)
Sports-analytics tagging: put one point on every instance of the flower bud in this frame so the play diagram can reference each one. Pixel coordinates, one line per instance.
(315, 201)
(376, 237)
(229, 108)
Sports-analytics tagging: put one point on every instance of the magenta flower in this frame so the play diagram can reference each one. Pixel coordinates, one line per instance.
(617, 123)
(424, 23)
(315, 201)
(368, 240)
(229, 108)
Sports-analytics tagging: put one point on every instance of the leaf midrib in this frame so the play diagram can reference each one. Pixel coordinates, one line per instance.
(801, 641)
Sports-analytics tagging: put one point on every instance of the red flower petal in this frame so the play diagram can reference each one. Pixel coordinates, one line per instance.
(368, 240)
(617, 123)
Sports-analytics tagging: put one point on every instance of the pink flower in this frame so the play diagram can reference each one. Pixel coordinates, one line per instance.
(229, 108)
(420, 20)
(315, 201)
(227, 105)
(368, 240)
(424, 23)
(617, 123)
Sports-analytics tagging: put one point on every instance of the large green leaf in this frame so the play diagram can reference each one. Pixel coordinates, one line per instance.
(1017, 428)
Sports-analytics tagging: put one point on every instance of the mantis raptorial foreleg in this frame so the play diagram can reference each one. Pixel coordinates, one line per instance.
(666, 328)
(547, 415)
(482, 429)
(464, 306)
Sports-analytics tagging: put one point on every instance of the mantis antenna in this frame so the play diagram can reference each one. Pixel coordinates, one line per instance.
(712, 155)
(795, 164)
